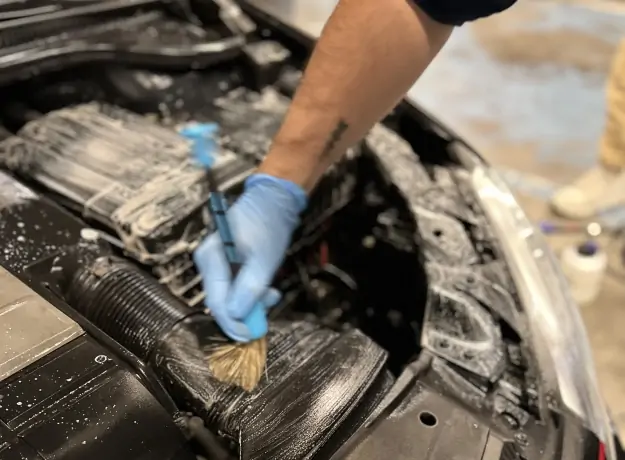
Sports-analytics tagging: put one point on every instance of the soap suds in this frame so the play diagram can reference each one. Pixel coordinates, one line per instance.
(121, 170)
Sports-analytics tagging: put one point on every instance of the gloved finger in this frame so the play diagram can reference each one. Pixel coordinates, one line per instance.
(234, 329)
(256, 321)
(211, 263)
(248, 288)
(271, 298)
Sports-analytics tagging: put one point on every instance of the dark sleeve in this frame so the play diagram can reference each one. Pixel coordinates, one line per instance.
(457, 12)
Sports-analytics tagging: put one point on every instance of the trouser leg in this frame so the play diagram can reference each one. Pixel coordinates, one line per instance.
(612, 145)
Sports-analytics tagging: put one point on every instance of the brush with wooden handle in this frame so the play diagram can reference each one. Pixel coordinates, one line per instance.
(236, 363)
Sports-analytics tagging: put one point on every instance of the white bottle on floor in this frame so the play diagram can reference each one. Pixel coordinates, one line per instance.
(584, 266)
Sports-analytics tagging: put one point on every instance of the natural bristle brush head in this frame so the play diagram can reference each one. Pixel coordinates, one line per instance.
(240, 364)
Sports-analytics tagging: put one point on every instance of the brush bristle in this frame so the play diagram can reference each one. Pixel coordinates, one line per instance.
(240, 364)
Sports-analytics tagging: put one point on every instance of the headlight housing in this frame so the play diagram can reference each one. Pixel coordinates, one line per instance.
(554, 324)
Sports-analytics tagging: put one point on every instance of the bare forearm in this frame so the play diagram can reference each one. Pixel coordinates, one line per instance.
(369, 55)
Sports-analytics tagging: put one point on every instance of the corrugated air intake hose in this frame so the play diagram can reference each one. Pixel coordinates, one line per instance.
(125, 303)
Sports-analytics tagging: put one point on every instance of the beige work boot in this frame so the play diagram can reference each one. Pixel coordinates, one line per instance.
(597, 190)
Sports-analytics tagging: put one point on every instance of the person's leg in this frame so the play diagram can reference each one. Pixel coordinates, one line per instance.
(603, 186)
(613, 141)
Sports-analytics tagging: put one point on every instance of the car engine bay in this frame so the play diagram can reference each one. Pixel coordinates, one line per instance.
(399, 322)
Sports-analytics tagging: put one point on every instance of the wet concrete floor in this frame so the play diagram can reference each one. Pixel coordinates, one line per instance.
(526, 88)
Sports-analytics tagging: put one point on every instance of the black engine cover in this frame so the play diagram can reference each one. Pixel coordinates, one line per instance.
(62, 394)
(79, 402)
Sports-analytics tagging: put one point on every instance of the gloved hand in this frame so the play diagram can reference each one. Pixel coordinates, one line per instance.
(262, 220)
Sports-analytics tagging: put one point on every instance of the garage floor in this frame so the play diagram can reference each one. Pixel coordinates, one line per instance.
(548, 61)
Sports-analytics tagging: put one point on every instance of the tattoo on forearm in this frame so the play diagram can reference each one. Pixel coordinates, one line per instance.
(335, 138)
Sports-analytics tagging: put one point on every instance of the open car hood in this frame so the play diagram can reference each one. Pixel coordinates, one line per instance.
(419, 304)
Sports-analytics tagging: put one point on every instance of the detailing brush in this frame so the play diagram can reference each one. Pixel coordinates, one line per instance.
(235, 363)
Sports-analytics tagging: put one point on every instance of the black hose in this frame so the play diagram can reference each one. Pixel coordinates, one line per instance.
(125, 303)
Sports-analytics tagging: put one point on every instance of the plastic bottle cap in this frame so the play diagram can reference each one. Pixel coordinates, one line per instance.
(594, 229)
(588, 249)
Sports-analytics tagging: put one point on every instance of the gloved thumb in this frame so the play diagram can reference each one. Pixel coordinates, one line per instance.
(254, 326)
(248, 288)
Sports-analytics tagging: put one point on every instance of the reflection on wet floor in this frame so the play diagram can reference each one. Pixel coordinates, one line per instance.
(548, 62)
(553, 92)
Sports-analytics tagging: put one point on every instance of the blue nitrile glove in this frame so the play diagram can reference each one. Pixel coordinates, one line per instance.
(262, 221)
